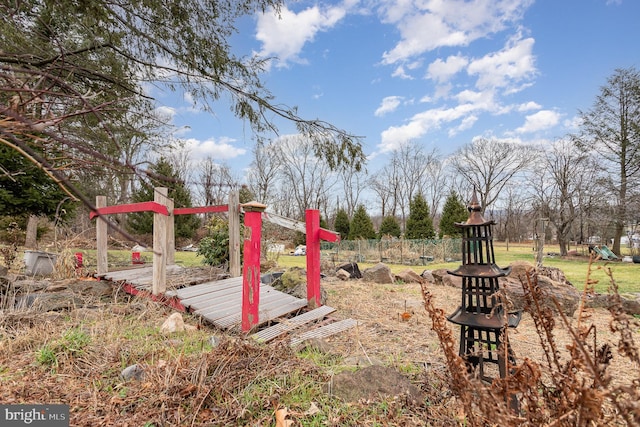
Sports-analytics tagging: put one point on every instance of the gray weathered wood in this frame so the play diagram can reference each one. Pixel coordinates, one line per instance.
(101, 237)
(234, 234)
(288, 325)
(160, 223)
(324, 331)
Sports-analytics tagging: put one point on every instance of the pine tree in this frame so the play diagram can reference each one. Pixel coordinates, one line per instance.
(389, 227)
(361, 227)
(164, 175)
(419, 224)
(453, 211)
(341, 224)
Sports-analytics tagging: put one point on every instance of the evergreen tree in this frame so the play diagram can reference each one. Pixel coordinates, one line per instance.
(164, 175)
(419, 224)
(341, 224)
(453, 211)
(389, 227)
(361, 227)
(25, 189)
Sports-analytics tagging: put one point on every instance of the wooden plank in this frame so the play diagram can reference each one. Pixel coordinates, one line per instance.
(265, 314)
(208, 287)
(287, 325)
(324, 331)
(265, 299)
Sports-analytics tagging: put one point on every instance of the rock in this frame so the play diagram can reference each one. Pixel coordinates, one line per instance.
(566, 295)
(343, 275)
(452, 281)
(410, 276)
(174, 323)
(352, 268)
(49, 301)
(629, 305)
(426, 275)
(300, 291)
(215, 341)
(371, 382)
(94, 288)
(438, 275)
(379, 273)
(290, 279)
(133, 372)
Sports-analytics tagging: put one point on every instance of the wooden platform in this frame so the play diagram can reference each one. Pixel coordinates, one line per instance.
(220, 302)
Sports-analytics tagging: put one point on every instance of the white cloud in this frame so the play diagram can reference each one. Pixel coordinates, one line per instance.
(388, 105)
(507, 68)
(165, 113)
(221, 149)
(422, 123)
(541, 120)
(442, 71)
(399, 72)
(428, 25)
(284, 37)
(528, 106)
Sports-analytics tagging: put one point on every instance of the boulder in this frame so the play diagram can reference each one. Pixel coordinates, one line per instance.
(372, 382)
(54, 301)
(426, 275)
(379, 273)
(409, 276)
(352, 268)
(552, 282)
(343, 275)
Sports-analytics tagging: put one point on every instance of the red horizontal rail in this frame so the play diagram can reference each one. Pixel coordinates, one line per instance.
(201, 209)
(329, 236)
(131, 207)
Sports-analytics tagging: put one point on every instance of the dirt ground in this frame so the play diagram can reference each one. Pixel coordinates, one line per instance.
(383, 334)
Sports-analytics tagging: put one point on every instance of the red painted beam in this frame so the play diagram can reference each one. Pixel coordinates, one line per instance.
(169, 301)
(328, 235)
(131, 207)
(201, 209)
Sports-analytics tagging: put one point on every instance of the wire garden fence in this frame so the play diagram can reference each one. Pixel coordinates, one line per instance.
(396, 251)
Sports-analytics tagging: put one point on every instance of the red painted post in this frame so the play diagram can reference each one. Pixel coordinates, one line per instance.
(251, 268)
(312, 219)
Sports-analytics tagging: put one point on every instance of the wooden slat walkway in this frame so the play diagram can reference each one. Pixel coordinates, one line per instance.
(288, 325)
(220, 302)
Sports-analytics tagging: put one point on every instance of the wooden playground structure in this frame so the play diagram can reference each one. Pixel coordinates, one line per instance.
(241, 300)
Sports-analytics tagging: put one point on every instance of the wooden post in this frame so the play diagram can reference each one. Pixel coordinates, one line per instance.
(171, 234)
(101, 238)
(160, 243)
(234, 234)
(312, 219)
(251, 269)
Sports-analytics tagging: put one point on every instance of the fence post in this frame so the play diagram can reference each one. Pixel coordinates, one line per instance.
(160, 223)
(313, 257)
(171, 234)
(251, 269)
(101, 237)
(234, 234)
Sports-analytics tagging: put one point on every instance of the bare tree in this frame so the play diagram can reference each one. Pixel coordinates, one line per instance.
(308, 178)
(263, 172)
(611, 128)
(490, 165)
(353, 184)
(214, 181)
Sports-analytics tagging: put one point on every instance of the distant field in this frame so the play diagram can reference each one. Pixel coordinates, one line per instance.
(575, 268)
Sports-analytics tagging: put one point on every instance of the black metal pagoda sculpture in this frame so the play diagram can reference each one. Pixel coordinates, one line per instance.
(483, 315)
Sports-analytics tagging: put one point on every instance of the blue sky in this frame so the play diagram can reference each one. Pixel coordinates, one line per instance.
(436, 72)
